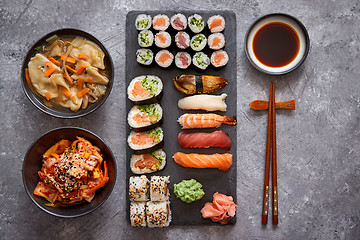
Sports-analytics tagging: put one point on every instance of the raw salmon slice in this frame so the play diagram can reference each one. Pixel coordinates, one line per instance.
(139, 91)
(221, 161)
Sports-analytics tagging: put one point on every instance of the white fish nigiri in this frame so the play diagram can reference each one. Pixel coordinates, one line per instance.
(203, 102)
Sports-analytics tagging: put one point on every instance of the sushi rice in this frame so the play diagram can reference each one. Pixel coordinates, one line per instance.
(196, 23)
(162, 39)
(158, 214)
(159, 190)
(182, 40)
(143, 22)
(139, 189)
(164, 58)
(219, 58)
(201, 60)
(198, 42)
(144, 56)
(145, 38)
(182, 60)
(216, 41)
(216, 23)
(161, 22)
(179, 22)
(138, 214)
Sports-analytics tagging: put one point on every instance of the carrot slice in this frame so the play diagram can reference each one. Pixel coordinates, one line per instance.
(80, 83)
(66, 92)
(68, 59)
(73, 99)
(81, 69)
(48, 64)
(83, 56)
(47, 96)
(55, 155)
(83, 92)
(49, 71)
(70, 69)
(27, 77)
(54, 61)
(70, 80)
(89, 80)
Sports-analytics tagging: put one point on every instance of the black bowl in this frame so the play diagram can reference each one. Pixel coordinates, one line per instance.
(59, 111)
(33, 161)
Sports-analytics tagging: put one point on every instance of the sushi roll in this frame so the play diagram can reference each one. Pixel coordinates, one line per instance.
(161, 22)
(179, 22)
(182, 60)
(143, 22)
(219, 58)
(145, 38)
(159, 190)
(145, 89)
(148, 163)
(162, 39)
(144, 56)
(164, 58)
(144, 117)
(138, 214)
(201, 60)
(147, 141)
(182, 40)
(216, 41)
(158, 214)
(198, 42)
(196, 23)
(139, 189)
(216, 23)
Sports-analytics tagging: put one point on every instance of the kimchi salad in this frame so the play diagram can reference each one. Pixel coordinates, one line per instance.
(71, 173)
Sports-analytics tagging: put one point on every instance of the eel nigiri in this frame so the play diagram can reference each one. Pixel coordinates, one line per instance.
(193, 160)
(206, 120)
(204, 102)
(191, 84)
(204, 140)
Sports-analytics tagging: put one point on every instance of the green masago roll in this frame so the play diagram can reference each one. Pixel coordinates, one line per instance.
(189, 190)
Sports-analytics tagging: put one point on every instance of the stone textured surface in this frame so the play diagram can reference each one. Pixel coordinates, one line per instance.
(318, 144)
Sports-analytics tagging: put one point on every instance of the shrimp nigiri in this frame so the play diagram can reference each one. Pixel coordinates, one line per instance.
(207, 120)
(221, 161)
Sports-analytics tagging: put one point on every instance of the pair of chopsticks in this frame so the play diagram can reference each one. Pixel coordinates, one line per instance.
(270, 149)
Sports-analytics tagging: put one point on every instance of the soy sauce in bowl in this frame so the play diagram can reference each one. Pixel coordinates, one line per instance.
(276, 44)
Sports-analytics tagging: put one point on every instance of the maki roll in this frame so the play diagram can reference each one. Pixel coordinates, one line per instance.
(182, 60)
(145, 89)
(143, 22)
(148, 163)
(138, 214)
(162, 39)
(159, 190)
(216, 23)
(164, 58)
(196, 23)
(216, 41)
(144, 117)
(198, 42)
(201, 60)
(161, 22)
(144, 56)
(178, 22)
(219, 58)
(145, 38)
(182, 40)
(146, 141)
(158, 214)
(139, 189)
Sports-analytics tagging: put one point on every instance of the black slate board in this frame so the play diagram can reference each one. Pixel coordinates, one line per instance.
(213, 180)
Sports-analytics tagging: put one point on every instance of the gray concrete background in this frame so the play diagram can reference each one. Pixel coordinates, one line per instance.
(318, 144)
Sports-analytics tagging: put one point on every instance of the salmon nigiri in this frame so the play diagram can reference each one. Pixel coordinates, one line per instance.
(193, 160)
(204, 120)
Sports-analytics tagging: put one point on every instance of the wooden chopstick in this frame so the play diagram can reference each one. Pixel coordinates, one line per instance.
(274, 167)
(265, 210)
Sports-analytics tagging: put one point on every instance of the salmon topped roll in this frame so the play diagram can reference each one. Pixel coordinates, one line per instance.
(220, 161)
(207, 120)
(147, 140)
(145, 89)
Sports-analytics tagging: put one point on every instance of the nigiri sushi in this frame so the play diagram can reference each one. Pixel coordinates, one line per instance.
(207, 120)
(191, 84)
(221, 161)
(204, 140)
(204, 102)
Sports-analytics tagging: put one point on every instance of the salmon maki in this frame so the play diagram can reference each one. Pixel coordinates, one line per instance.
(146, 141)
(145, 89)
(207, 120)
(220, 161)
